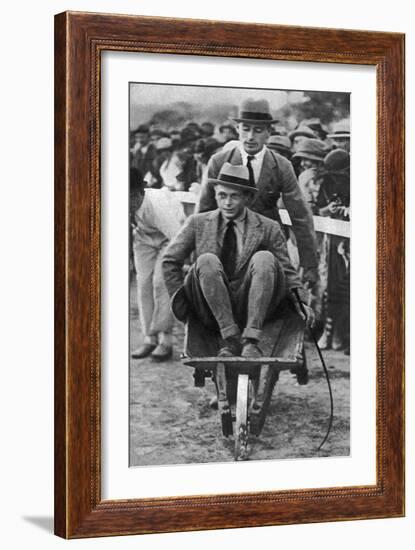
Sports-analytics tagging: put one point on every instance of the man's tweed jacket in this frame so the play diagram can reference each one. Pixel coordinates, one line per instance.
(277, 179)
(199, 235)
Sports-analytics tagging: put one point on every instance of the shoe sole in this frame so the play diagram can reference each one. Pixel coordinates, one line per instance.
(133, 356)
(160, 359)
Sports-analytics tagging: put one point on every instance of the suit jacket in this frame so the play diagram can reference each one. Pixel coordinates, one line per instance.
(277, 179)
(199, 235)
(145, 162)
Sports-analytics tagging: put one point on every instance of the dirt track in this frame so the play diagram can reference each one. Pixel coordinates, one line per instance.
(171, 421)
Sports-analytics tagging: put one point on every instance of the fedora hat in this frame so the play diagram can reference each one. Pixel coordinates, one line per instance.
(236, 176)
(315, 125)
(312, 149)
(341, 129)
(163, 144)
(279, 143)
(255, 111)
(303, 131)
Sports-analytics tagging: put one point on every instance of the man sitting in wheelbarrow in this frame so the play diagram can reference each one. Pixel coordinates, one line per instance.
(241, 272)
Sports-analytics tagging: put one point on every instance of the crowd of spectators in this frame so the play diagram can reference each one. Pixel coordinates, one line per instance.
(178, 158)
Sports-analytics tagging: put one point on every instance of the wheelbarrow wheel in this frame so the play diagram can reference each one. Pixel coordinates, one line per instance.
(302, 371)
(241, 426)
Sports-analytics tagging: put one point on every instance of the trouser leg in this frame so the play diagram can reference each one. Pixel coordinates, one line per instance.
(207, 290)
(260, 293)
(145, 259)
(162, 319)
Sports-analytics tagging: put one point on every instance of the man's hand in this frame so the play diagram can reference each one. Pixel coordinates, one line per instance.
(305, 312)
(307, 176)
(310, 277)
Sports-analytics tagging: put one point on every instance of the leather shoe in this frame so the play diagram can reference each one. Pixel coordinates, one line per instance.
(231, 347)
(251, 351)
(162, 352)
(143, 351)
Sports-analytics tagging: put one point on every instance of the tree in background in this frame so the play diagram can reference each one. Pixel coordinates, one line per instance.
(327, 106)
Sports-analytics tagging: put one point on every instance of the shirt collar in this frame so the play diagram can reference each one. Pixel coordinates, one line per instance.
(239, 221)
(258, 156)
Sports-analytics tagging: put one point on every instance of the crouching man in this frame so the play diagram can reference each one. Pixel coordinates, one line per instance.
(241, 271)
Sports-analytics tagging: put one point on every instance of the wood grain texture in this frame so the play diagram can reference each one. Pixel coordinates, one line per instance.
(79, 40)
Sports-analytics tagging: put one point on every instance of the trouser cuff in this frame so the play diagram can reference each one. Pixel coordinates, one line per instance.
(253, 333)
(165, 338)
(232, 330)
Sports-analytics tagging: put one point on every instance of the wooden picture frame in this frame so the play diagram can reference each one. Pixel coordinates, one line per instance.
(79, 40)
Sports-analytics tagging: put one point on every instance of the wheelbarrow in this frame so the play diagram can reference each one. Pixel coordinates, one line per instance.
(244, 386)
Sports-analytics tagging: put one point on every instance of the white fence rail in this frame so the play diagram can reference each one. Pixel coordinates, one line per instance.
(321, 224)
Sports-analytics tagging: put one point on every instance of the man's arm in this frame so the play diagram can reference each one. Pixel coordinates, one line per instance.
(300, 214)
(207, 199)
(175, 255)
(166, 218)
(278, 246)
(295, 290)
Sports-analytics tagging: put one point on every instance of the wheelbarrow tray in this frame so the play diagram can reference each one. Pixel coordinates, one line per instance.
(281, 345)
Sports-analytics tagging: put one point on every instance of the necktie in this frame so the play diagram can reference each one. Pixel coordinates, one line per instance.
(229, 250)
(250, 170)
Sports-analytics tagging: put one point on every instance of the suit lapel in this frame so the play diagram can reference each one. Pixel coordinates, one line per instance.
(235, 157)
(253, 236)
(209, 241)
(266, 174)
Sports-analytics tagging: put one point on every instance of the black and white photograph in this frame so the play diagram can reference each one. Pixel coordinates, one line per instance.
(239, 264)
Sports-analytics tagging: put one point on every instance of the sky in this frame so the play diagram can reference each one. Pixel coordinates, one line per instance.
(146, 98)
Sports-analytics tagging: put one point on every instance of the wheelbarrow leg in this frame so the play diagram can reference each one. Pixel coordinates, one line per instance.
(258, 412)
(223, 403)
(241, 427)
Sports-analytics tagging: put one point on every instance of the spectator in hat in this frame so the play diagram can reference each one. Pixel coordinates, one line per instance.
(164, 150)
(156, 134)
(341, 134)
(334, 201)
(310, 157)
(315, 125)
(298, 135)
(280, 144)
(175, 137)
(191, 132)
(241, 273)
(207, 129)
(171, 166)
(271, 174)
(279, 130)
(204, 149)
(227, 132)
(334, 195)
(187, 164)
(143, 153)
(156, 216)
